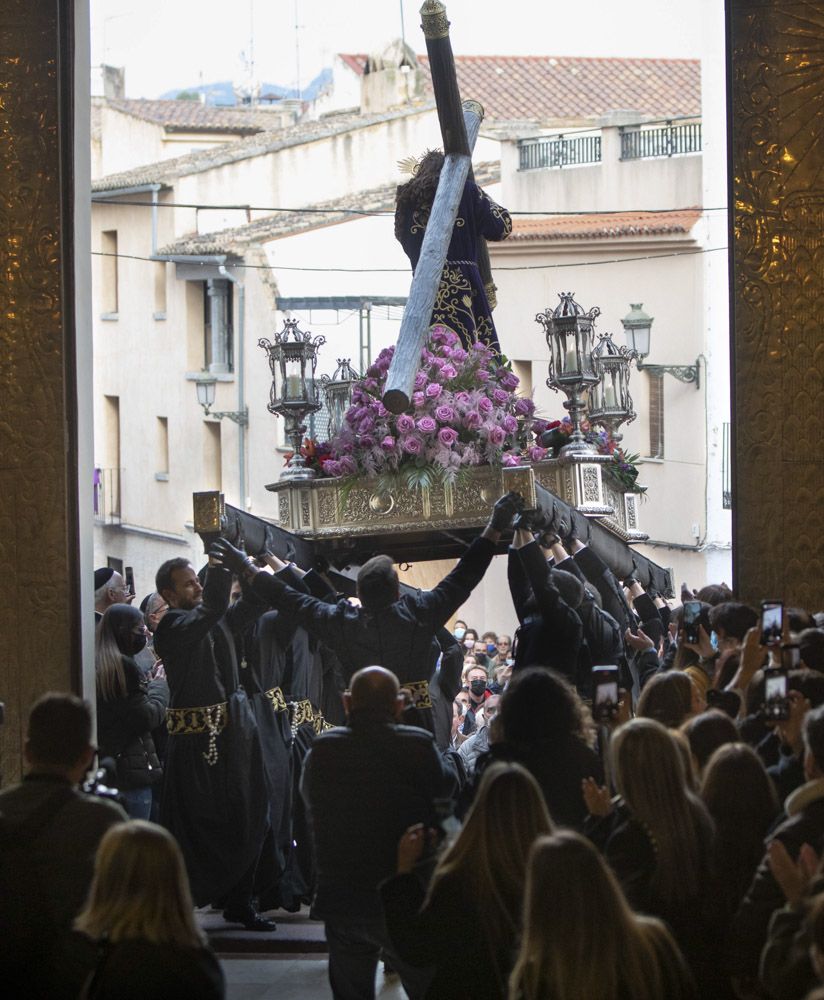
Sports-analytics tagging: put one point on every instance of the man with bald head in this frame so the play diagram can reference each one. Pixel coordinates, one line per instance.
(364, 783)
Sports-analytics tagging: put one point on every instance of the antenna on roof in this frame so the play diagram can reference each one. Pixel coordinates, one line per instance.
(403, 29)
(297, 53)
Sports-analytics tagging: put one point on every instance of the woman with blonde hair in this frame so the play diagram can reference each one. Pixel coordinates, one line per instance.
(138, 923)
(657, 835)
(476, 892)
(567, 953)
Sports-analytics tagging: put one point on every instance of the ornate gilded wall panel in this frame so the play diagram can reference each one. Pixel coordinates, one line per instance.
(37, 523)
(777, 52)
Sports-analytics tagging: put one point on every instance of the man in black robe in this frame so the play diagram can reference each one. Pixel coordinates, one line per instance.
(214, 796)
(394, 632)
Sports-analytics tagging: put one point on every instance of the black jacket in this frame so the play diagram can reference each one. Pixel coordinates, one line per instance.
(124, 727)
(437, 935)
(363, 785)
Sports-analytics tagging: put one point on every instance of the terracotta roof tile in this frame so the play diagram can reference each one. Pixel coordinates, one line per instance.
(192, 116)
(603, 225)
(549, 88)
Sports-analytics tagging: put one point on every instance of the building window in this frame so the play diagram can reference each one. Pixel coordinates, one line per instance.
(218, 310)
(212, 458)
(162, 463)
(726, 468)
(115, 564)
(160, 290)
(656, 415)
(108, 273)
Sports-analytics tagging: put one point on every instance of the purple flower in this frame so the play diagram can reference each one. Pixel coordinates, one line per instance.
(496, 435)
(433, 390)
(444, 413)
(537, 454)
(523, 407)
(370, 384)
(388, 443)
(418, 400)
(510, 381)
(500, 396)
(472, 420)
(448, 372)
(348, 466)
(485, 405)
(366, 425)
(438, 363)
(509, 424)
(482, 375)
(447, 436)
(405, 423)
(509, 459)
(366, 441)
(458, 355)
(462, 397)
(427, 425)
(420, 380)
(412, 445)
(331, 467)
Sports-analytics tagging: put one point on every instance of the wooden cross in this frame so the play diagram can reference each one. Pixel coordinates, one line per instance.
(460, 124)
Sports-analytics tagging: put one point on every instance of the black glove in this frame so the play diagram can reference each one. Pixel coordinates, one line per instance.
(225, 554)
(524, 521)
(505, 509)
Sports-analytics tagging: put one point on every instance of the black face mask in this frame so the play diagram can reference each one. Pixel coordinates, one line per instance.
(138, 643)
(477, 687)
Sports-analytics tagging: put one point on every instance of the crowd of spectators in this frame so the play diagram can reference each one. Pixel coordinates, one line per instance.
(663, 841)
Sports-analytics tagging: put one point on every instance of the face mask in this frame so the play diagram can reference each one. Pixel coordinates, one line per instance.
(138, 643)
(714, 640)
(469, 643)
(491, 648)
(477, 687)
(459, 633)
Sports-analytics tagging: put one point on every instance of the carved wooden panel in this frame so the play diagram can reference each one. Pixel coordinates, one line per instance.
(38, 599)
(777, 167)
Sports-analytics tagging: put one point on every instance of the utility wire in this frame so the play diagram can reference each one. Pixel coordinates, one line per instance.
(388, 213)
(403, 270)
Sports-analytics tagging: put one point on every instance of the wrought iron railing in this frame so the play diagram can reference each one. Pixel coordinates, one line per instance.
(671, 140)
(106, 495)
(536, 154)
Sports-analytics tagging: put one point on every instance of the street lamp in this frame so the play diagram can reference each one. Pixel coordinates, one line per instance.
(610, 403)
(293, 356)
(569, 335)
(338, 393)
(205, 385)
(638, 327)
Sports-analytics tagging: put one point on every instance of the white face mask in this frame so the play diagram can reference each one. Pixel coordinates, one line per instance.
(459, 633)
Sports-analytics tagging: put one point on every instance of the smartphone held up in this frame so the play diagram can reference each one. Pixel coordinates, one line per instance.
(605, 695)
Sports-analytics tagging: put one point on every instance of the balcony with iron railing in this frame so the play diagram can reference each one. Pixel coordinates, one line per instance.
(670, 140)
(633, 142)
(106, 496)
(558, 151)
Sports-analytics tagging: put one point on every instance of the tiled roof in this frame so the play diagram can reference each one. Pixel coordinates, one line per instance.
(192, 116)
(548, 88)
(272, 227)
(603, 225)
(260, 144)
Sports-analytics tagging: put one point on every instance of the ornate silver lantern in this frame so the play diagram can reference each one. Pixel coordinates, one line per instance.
(569, 334)
(610, 403)
(338, 393)
(293, 356)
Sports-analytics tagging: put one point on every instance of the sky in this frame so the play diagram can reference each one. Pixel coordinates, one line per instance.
(171, 44)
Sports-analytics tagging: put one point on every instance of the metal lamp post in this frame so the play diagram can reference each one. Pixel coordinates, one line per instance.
(610, 403)
(338, 393)
(569, 334)
(293, 356)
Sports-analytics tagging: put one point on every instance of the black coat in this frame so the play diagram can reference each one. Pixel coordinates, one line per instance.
(439, 933)
(363, 785)
(124, 727)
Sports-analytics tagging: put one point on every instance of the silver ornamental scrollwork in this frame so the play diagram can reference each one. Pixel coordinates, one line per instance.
(592, 484)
